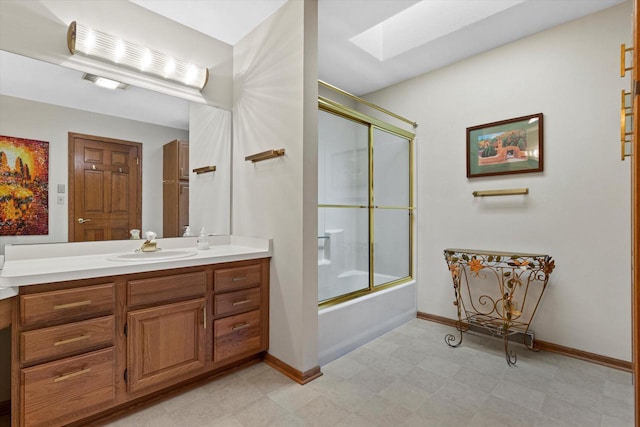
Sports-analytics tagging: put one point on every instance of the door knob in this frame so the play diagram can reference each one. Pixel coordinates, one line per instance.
(82, 220)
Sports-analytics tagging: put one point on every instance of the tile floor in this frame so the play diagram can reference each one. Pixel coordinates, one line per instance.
(410, 377)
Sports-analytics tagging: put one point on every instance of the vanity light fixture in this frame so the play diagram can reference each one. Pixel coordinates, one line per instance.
(104, 82)
(111, 49)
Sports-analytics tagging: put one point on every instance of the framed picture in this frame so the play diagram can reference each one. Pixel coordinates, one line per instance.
(505, 147)
(24, 187)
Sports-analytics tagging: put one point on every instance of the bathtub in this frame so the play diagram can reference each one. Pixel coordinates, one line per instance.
(346, 326)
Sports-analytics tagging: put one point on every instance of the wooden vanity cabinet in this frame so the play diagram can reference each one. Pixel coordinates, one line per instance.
(87, 348)
(64, 363)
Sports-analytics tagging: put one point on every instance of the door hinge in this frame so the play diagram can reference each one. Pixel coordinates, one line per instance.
(126, 329)
(126, 375)
(138, 161)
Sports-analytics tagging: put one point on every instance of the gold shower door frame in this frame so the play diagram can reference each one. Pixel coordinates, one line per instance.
(332, 107)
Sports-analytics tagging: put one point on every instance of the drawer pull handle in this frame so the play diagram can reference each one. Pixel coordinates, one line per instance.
(246, 301)
(240, 326)
(72, 305)
(71, 340)
(237, 279)
(71, 375)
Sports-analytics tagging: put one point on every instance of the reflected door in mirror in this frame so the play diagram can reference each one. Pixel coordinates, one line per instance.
(104, 188)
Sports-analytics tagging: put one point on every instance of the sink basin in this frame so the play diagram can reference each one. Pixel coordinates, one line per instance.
(159, 255)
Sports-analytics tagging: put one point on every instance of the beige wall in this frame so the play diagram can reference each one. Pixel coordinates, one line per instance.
(578, 209)
(275, 106)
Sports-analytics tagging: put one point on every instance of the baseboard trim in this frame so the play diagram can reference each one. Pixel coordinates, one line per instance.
(610, 362)
(585, 355)
(5, 407)
(436, 319)
(296, 375)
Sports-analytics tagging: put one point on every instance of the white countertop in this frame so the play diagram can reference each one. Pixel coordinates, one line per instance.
(44, 263)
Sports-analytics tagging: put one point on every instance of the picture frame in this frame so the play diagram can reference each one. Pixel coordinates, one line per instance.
(24, 187)
(505, 147)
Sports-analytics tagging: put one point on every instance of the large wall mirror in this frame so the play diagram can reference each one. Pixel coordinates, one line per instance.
(43, 101)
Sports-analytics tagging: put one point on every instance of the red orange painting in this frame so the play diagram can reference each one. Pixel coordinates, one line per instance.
(24, 187)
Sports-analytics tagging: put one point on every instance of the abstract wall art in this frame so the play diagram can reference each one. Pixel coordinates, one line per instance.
(24, 187)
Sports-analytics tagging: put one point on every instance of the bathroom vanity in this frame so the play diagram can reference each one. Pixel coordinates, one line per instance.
(98, 333)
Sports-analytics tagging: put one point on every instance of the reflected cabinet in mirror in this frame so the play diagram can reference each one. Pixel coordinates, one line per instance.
(47, 102)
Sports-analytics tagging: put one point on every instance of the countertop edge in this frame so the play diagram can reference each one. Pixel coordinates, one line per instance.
(94, 265)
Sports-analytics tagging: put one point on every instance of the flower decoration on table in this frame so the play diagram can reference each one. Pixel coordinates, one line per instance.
(522, 264)
(548, 265)
(475, 265)
(454, 271)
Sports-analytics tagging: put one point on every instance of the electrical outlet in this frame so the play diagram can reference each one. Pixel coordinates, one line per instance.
(60, 200)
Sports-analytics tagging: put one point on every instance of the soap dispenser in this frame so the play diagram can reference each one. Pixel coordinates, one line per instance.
(203, 239)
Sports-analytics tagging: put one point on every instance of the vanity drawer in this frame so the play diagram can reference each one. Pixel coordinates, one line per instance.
(65, 340)
(237, 335)
(236, 302)
(166, 288)
(67, 304)
(228, 279)
(59, 392)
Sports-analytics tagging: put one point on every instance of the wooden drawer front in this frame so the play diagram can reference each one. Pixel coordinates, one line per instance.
(167, 288)
(236, 335)
(236, 302)
(59, 392)
(68, 339)
(67, 304)
(236, 278)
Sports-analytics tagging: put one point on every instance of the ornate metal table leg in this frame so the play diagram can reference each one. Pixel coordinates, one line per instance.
(451, 339)
(511, 356)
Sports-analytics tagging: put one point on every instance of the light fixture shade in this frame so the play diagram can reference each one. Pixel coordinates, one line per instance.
(107, 48)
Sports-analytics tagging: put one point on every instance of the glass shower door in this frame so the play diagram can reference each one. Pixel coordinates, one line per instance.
(392, 202)
(343, 193)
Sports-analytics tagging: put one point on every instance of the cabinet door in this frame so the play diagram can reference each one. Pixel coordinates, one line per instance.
(183, 206)
(165, 344)
(183, 160)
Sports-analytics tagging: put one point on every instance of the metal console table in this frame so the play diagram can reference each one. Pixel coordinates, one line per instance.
(497, 291)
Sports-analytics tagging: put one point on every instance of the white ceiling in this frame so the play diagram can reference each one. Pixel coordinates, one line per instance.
(451, 31)
(456, 29)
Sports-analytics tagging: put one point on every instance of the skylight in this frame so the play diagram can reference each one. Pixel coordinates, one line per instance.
(424, 22)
